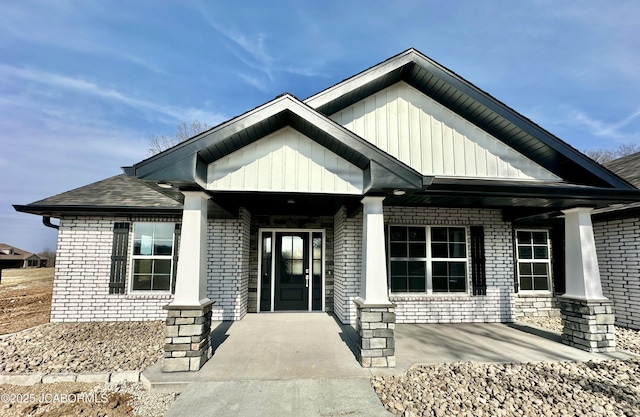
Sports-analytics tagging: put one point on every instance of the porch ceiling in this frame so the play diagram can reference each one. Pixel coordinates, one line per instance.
(284, 203)
(517, 201)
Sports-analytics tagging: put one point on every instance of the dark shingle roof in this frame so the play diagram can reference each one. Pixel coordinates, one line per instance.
(627, 167)
(113, 194)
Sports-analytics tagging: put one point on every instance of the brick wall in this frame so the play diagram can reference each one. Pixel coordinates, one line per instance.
(84, 253)
(618, 247)
(497, 305)
(83, 265)
(228, 243)
(81, 286)
(347, 264)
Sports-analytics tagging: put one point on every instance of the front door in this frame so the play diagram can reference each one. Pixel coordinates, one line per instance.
(291, 271)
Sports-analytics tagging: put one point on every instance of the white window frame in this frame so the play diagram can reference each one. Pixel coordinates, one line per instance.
(545, 261)
(429, 259)
(134, 258)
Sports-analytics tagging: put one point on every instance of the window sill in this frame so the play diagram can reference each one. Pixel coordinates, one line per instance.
(148, 296)
(431, 297)
(545, 294)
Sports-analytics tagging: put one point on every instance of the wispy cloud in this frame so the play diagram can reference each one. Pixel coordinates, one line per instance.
(254, 52)
(613, 130)
(255, 81)
(83, 86)
(69, 26)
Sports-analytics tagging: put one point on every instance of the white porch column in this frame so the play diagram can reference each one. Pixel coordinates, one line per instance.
(375, 323)
(374, 262)
(191, 279)
(581, 270)
(587, 316)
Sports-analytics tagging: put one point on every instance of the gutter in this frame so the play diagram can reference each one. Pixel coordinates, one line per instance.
(46, 220)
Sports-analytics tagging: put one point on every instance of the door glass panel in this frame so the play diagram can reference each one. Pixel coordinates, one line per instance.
(316, 272)
(297, 247)
(296, 267)
(292, 263)
(265, 272)
(287, 247)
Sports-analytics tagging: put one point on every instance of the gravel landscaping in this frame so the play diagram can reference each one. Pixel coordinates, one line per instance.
(82, 347)
(604, 388)
(607, 388)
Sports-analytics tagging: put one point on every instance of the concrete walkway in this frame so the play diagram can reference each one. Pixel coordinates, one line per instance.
(276, 365)
(304, 363)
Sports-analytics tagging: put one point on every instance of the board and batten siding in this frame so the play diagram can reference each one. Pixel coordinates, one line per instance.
(432, 139)
(286, 160)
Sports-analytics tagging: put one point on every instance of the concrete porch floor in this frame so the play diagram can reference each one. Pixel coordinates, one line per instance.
(286, 346)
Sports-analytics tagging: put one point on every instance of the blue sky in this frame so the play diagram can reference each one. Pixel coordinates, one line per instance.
(84, 85)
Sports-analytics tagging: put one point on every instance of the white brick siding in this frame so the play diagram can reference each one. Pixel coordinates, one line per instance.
(618, 247)
(83, 265)
(497, 305)
(81, 286)
(81, 291)
(347, 260)
(228, 266)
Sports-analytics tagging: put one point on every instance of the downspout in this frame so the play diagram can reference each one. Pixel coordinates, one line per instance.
(46, 220)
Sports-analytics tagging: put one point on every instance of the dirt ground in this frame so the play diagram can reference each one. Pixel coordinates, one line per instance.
(25, 298)
(25, 301)
(61, 400)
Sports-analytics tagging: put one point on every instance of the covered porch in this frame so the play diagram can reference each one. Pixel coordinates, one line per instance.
(284, 158)
(286, 346)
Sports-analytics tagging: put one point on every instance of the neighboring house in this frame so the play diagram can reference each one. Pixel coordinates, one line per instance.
(12, 257)
(617, 232)
(402, 194)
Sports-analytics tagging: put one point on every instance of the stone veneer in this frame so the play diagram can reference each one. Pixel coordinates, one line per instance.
(536, 306)
(498, 305)
(187, 346)
(588, 324)
(375, 326)
(618, 247)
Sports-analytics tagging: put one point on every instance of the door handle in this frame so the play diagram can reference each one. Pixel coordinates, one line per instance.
(306, 280)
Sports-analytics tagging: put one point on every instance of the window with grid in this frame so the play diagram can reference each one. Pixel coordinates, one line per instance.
(152, 256)
(427, 259)
(534, 260)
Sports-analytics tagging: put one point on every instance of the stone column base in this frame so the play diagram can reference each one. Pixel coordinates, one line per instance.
(375, 326)
(187, 346)
(588, 324)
